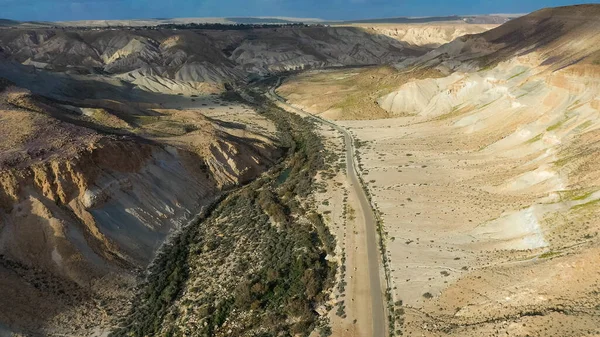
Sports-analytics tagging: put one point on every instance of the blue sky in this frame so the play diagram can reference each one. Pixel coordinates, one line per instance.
(53, 10)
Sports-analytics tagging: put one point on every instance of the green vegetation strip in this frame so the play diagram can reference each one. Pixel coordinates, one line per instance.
(255, 264)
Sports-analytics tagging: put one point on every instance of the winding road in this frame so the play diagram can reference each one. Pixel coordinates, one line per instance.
(376, 291)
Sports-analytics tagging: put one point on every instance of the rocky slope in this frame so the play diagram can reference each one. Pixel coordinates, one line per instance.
(522, 101)
(89, 191)
(316, 47)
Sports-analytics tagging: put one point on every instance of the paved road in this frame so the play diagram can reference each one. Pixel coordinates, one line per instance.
(377, 302)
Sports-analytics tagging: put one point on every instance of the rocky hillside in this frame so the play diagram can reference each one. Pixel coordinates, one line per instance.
(90, 190)
(553, 38)
(544, 49)
(186, 61)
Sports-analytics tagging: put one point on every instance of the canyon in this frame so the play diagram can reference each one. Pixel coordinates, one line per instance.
(163, 181)
(117, 141)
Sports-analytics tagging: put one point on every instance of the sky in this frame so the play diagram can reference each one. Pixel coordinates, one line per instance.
(61, 10)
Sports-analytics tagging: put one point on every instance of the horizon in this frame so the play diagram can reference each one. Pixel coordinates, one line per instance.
(286, 18)
(330, 10)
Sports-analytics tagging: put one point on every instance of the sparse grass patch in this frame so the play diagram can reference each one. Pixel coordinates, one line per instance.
(582, 196)
(456, 111)
(587, 205)
(574, 195)
(549, 254)
(535, 139)
(585, 125)
(556, 125)
(517, 75)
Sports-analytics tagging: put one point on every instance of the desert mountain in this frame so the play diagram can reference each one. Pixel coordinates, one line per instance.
(188, 61)
(548, 47)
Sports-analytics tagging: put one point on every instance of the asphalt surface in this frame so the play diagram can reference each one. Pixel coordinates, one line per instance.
(377, 301)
